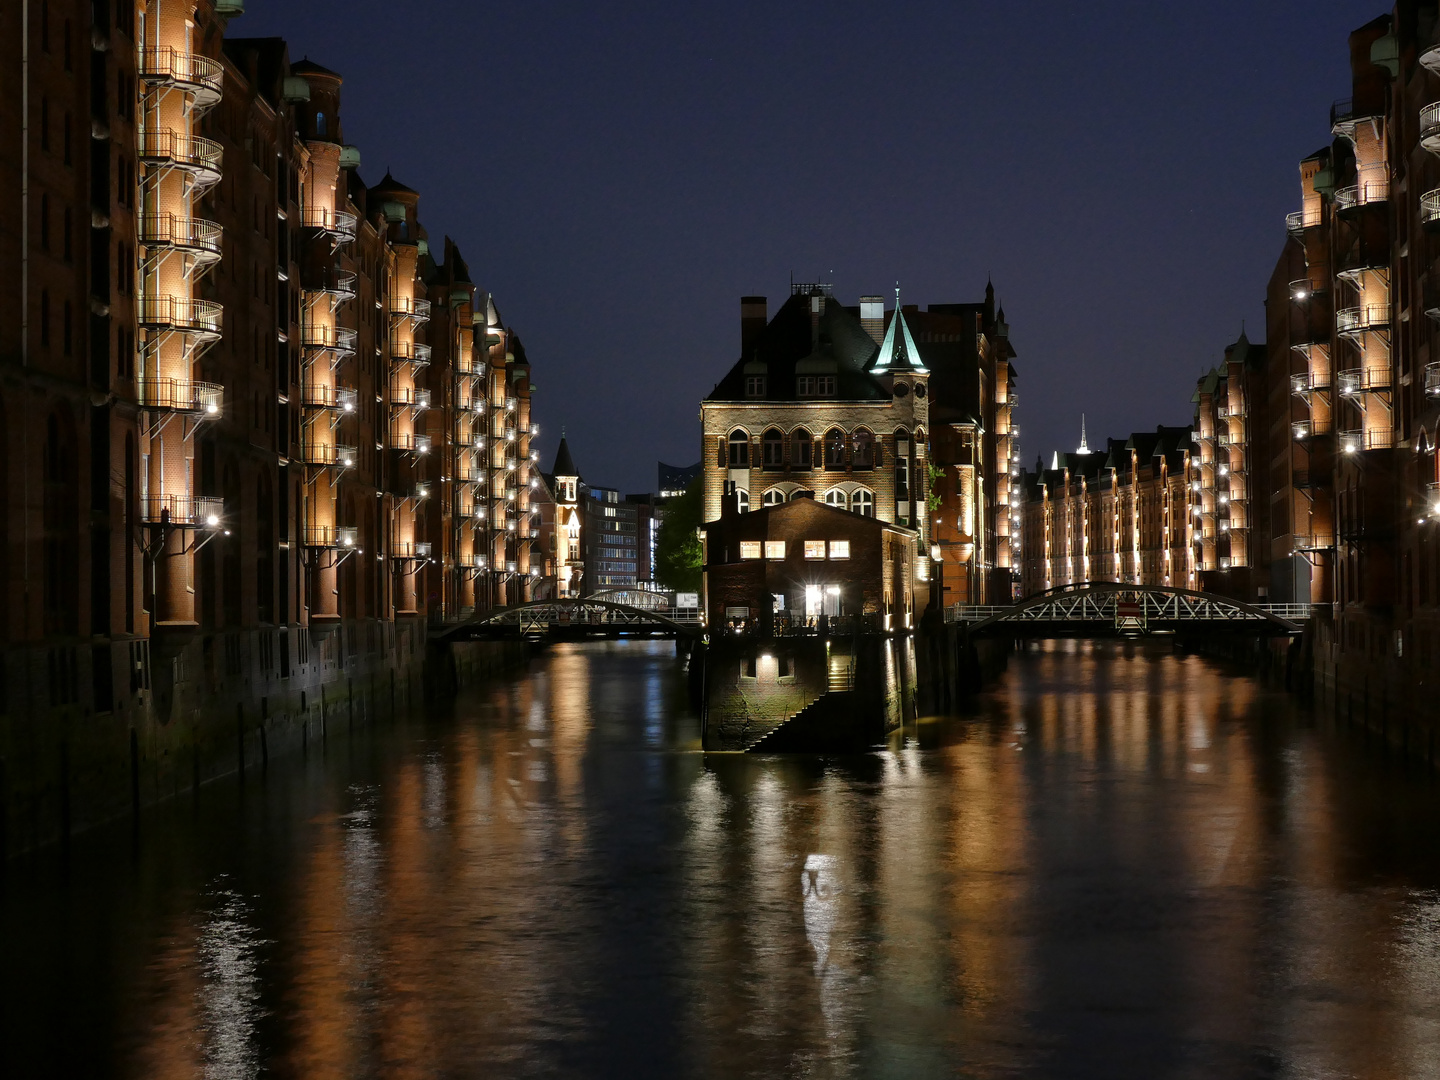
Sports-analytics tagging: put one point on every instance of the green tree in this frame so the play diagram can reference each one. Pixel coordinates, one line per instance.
(677, 548)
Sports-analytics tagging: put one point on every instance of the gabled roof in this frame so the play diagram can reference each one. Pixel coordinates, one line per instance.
(838, 345)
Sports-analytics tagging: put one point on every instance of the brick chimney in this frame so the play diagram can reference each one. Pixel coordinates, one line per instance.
(752, 322)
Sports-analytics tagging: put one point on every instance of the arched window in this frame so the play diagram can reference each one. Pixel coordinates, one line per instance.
(320, 125)
(773, 446)
(862, 502)
(836, 498)
(773, 497)
(742, 500)
(834, 449)
(800, 448)
(739, 449)
(864, 456)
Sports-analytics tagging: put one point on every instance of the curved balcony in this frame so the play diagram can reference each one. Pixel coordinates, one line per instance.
(335, 398)
(328, 455)
(409, 397)
(180, 395)
(1308, 383)
(199, 76)
(410, 352)
(337, 284)
(1361, 319)
(1366, 381)
(338, 225)
(1351, 198)
(410, 307)
(410, 443)
(182, 511)
(1430, 58)
(418, 550)
(1430, 210)
(331, 536)
(1352, 442)
(201, 158)
(1432, 379)
(199, 318)
(196, 237)
(465, 364)
(338, 339)
(1305, 429)
(1304, 289)
(1430, 127)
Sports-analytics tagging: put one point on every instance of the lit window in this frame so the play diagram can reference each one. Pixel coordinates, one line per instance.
(814, 549)
(774, 549)
(837, 498)
(863, 503)
(774, 497)
(755, 386)
(749, 549)
(839, 549)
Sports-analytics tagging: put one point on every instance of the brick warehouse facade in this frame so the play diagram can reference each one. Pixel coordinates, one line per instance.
(256, 433)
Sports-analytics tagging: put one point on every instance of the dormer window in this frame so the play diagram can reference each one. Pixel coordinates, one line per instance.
(754, 386)
(815, 386)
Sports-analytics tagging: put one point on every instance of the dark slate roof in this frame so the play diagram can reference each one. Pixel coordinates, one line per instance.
(306, 66)
(389, 185)
(564, 463)
(786, 341)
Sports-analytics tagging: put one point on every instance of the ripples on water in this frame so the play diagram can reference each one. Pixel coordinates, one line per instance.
(1125, 863)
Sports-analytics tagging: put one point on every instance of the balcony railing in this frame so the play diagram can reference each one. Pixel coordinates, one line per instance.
(340, 339)
(410, 397)
(408, 550)
(340, 398)
(470, 561)
(411, 443)
(337, 224)
(1430, 127)
(1309, 383)
(166, 147)
(1362, 194)
(194, 236)
(337, 283)
(198, 76)
(1432, 379)
(329, 455)
(465, 364)
(1314, 542)
(410, 307)
(331, 536)
(1367, 381)
(181, 395)
(410, 352)
(467, 474)
(199, 317)
(1352, 442)
(184, 511)
(1357, 320)
(1430, 210)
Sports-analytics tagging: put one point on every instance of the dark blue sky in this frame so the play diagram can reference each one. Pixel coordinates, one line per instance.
(619, 174)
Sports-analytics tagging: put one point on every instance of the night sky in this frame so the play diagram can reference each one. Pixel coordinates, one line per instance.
(619, 174)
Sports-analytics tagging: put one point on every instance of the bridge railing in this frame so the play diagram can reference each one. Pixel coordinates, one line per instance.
(1080, 607)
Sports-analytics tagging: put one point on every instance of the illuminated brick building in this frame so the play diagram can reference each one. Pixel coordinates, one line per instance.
(254, 434)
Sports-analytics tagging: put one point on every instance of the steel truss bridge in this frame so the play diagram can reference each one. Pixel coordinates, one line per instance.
(574, 620)
(1107, 608)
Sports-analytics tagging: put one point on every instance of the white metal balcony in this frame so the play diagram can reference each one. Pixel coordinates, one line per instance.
(1430, 210)
(338, 225)
(1430, 127)
(1352, 442)
(196, 237)
(1366, 317)
(1362, 194)
(180, 395)
(337, 339)
(410, 397)
(411, 550)
(182, 511)
(1432, 378)
(337, 398)
(410, 443)
(338, 284)
(328, 455)
(410, 307)
(199, 318)
(166, 148)
(331, 536)
(1366, 381)
(199, 76)
(1308, 383)
(469, 560)
(410, 352)
(1302, 289)
(1430, 58)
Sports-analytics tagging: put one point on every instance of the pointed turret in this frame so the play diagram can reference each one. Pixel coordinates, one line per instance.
(898, 352)
(1084, 446)
(564, 463)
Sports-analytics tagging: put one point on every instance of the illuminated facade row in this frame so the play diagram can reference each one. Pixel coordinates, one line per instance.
(256, 432)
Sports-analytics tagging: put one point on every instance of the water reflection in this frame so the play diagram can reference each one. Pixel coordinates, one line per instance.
(1126, 862)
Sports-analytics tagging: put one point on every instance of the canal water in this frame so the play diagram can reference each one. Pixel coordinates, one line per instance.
(1124, 863)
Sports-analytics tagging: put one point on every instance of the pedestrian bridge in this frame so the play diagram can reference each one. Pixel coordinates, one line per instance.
(574, 620)
(1108, 609)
